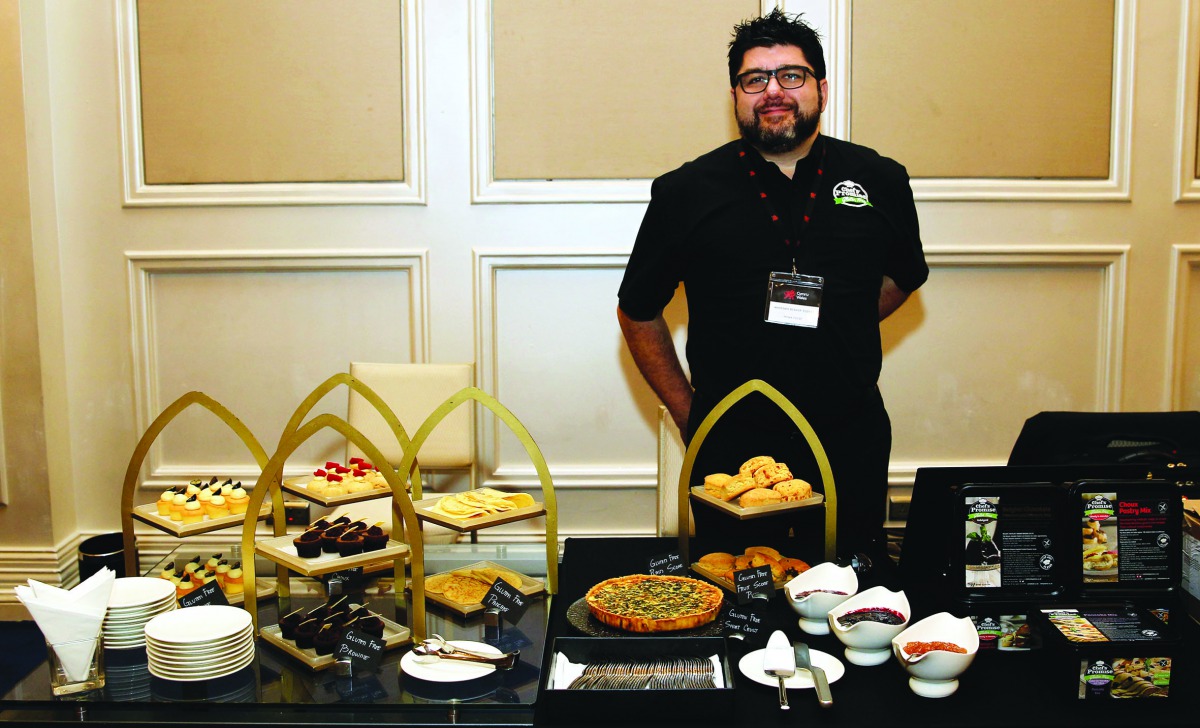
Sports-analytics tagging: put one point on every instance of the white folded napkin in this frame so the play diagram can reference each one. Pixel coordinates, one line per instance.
(70, 620)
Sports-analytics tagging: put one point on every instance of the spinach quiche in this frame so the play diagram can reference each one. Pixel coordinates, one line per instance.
(645, 603)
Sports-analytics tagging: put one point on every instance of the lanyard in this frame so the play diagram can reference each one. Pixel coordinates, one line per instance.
(799, 227)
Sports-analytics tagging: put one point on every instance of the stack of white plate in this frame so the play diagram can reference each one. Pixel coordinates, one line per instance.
(199, 643)
(134, 601)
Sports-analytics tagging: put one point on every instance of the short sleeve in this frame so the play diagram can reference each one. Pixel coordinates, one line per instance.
(905, 257)
(655, 266)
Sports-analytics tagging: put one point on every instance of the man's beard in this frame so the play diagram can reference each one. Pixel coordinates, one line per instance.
(778, 138)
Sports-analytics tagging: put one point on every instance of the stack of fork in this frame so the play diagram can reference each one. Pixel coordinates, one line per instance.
(683, 672)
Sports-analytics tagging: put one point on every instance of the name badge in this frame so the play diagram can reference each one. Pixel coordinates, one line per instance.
(793, 299)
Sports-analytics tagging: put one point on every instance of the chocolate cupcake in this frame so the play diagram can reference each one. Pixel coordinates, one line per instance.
(325, 639)
(329, 538)
(374, 538)
(289, 622)
(305, 632)
(308, 544)
(350, 543)
(372, 624)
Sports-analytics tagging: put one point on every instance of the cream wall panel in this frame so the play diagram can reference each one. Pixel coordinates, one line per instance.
(968, 99)
(258, 333)
(277, 101)
(580, 66)
(1187, 124)
(974, 78)
(1052, 342)
(1185, 366)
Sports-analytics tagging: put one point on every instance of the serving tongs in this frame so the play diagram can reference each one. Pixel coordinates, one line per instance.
(437, 648)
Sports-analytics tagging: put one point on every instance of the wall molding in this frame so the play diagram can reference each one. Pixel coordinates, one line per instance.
(1185, 260)
(1112, 263)
(485, 188)
(1115, 187)
(3, 458)
(137, 193)
(1187, 123)
(143, 266)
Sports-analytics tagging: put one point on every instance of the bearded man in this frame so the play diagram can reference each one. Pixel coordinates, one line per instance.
(792, 247)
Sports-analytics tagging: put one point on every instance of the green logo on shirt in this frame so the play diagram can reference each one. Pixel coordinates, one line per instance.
(850, 194)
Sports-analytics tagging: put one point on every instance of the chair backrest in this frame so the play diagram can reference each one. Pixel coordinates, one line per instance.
(413, 391)
(670, 462)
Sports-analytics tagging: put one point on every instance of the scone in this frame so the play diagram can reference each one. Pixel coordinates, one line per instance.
(793, 490)
(736, 486)
(759, 497)
(773, 553)
(718, 561)
(755, 463)
(714, 484)
(771, 473)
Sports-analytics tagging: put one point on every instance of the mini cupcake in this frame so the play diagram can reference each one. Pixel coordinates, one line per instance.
(209, 576)
(305, 632)
(226, 487)
(350, 543)
(341, 606)
(192, 488)
(289, 622)
(374, 538)
(168, 571)
(186, 586)
(221, 570)
(192, 511)
(238, 499)
(329, 538)
(205, 497)
(372, 624)
(177, 504)
(211, 564)
(233, 579)
(308, 544)
(177, 577)
(218, 508)
(164, 502)
(191, 566)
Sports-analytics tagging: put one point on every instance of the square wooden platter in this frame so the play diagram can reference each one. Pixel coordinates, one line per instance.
(394, 635)
(464, 525)
(281, 550)
(529, 587)
(148, 513)
(733, 509)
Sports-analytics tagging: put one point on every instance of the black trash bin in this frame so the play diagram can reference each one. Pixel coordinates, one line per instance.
(106, 549)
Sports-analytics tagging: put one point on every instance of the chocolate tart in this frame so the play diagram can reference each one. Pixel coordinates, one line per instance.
(305, 632)
(308, 544)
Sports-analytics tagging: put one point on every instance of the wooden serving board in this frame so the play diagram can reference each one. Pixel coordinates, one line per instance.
(281, 550)
(733, 509)
(394, 635)
(148, 513)
(299, 486)
(463, 525)
(529, 587)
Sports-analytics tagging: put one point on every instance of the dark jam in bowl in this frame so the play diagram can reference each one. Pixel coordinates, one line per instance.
(883, 615)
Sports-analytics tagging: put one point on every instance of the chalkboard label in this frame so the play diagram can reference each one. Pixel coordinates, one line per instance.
(210, 593)
(670, 563)
(753, 582)
(740, 619)
(363, 650)
(508, 640)
(505, 597)
(360, 690)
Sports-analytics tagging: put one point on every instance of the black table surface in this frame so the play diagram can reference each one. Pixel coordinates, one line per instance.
(999, 689)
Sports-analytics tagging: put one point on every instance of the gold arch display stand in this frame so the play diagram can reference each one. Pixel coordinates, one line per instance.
(143, 448)
(810, 436)
(402, 512)
(535, 455)
(393, 422)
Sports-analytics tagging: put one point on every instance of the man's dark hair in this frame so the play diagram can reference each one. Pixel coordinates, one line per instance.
(775, 28)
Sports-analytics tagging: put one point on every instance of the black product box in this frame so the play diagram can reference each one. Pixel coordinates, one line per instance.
(1008, 542)
(561, 706)
(1110, 651)
(1130, 538)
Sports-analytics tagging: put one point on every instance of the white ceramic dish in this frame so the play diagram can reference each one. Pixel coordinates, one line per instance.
(193, 648)
(228, 669)
(134, 592)
(821, 579)
(935, 674)
(751, 666)
(450, 670)
(869, 643)
(188, 656)
(201, 667)
(206, 623)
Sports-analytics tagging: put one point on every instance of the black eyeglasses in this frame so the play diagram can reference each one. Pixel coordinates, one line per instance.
(789, 77)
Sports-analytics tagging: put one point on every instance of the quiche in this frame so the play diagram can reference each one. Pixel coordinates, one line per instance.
(644, 603)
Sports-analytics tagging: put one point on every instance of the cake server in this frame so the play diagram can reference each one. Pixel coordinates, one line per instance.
(779, 662)
(820, 681)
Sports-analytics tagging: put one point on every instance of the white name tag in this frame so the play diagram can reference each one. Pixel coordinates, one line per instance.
(794, 300)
